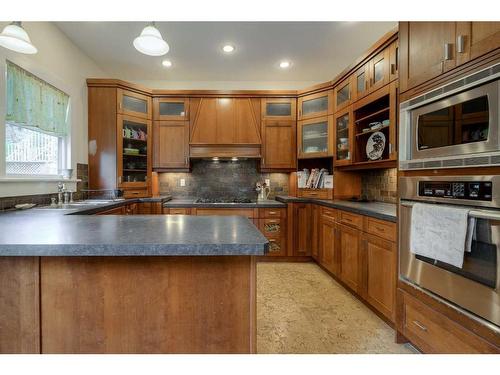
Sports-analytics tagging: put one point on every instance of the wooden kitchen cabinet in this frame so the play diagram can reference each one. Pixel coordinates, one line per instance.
(171, 145)
(315, 231)
(315, 137)
(274, 230)
(349, 242)
(171, 109)
(302, 229)
(315, 105)
(133, 153)
(475, 39)
(279, 145)
(328, 243)
(361, 82)
(279, 109)
(425, 50)
(343, 93)
(394, 61)
(379, 70)
(379, 258)
(134, 104)
(343, 136)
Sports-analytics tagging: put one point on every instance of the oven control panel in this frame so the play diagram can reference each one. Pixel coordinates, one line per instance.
(470, 190)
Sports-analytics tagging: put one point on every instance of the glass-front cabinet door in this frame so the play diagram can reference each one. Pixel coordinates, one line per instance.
(379, 70)
(361, 82)
(315, 105)
(279, 108)
(343, 136)
(314, 137)
(133, 152)
(343, 93)
(176, 109)
(134, 104)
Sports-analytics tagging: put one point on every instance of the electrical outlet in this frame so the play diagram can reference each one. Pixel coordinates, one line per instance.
(268, 181)
(182, 182)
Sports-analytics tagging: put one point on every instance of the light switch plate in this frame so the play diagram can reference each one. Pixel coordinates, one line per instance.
(182, 182)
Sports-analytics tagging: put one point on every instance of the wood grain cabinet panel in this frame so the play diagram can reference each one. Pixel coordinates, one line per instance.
(279, 109)
(19, 305)
(171, 145)
(315, 231)
(422, 51)
(302, 229)
(350, 263)
(134, 104)
(433, 332)
(379, 274)
(279, 145)
(315, 105)
(475, 39)
(328, 244)
(148, 304)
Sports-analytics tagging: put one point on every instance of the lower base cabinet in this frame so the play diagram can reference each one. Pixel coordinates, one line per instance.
(350, 264)
(302, 229)
(328, 237)
(379, 259)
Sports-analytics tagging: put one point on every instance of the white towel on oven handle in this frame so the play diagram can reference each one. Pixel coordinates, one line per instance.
(440, 232)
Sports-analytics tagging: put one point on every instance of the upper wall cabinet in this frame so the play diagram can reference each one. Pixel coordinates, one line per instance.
(279, 108)
(374, 74)
(379, 70)
(171, 145)
(429, 49)
(315, 137)
(171, 109)
(343, 93)
(133, 104)
(225, 121)
(315, 105)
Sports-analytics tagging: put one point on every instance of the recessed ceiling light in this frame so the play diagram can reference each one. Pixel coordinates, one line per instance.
(228, 48)
(166, 63)
(285, 64)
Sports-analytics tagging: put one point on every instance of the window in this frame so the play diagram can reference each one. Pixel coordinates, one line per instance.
(36, 126)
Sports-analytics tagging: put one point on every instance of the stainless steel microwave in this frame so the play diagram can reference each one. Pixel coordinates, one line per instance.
(454, 126)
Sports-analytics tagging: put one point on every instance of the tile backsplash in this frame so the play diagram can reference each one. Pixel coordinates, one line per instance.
(210, 179)
(380, 185)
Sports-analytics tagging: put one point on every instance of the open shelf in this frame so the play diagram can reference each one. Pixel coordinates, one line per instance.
(372, 131)
(135, 140)
(136, 155)
(372, 115)
(135, 170)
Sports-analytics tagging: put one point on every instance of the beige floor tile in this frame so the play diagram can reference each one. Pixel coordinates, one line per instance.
(301, 309)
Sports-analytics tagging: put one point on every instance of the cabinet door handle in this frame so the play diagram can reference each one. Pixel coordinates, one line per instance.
(447, 51)
(420, 325)
(461, 43)
(272, 212)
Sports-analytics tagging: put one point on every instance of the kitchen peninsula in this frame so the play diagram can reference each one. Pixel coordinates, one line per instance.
(79, 283)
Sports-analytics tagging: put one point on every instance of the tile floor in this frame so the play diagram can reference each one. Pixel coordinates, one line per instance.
(301, 309)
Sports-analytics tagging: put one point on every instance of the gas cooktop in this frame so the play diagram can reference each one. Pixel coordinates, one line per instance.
(224, 200)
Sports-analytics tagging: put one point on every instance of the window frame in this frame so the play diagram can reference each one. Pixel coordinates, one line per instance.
(64, 145)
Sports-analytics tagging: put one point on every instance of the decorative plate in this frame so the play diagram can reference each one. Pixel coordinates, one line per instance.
(375, 146)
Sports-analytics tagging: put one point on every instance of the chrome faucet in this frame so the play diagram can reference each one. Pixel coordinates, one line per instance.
(61, 188)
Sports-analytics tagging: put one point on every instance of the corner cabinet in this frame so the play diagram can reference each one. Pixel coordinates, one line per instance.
(315, 105)
(343, 124)
(120, 139)
(171, 134)
(315, 137)
(279, 134)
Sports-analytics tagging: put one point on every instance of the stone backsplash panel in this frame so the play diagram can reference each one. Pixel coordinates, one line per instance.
(380, 185)
(209, 179)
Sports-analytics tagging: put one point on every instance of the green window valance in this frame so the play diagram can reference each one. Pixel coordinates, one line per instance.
(35, 104)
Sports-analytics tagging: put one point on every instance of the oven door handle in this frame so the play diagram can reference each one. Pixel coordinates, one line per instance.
(478, 214)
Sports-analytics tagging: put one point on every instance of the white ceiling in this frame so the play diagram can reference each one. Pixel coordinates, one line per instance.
(318, 50)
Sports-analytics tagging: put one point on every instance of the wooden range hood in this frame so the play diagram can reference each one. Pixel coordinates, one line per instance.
(225, 128)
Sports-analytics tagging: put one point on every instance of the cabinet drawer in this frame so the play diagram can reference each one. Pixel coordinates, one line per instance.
(272, 212)
(329, 213)
(179, 211)
(352, 220)
(433, 332)
(314, 193)
(276, 247)
(135, 193)
(380, 228)
(249, 213)
(271, 227)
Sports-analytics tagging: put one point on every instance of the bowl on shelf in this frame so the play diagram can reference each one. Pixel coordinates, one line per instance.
(132, 151)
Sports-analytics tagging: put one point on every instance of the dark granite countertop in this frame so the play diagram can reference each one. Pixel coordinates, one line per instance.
(74, 232)
(190, 202)
(379, 210)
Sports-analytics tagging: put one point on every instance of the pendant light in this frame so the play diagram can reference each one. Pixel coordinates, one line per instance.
(150, 42)
(15, 38)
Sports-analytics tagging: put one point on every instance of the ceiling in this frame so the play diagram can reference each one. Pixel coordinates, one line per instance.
(318, 50)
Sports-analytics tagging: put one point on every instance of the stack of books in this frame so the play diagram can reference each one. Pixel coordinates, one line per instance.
(314, 180)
